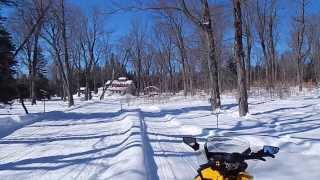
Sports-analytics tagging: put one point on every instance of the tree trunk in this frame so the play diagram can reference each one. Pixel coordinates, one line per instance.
(190, 79)
(95, 86)
(213, 72)
(78, 83)
(87, 86)
(239, 56)
(299, 74)
(184, 78)
(24, 106)
(212, 61)
(33, 90)
(300, 55)
(205, 24)
(171, 86)
(248, 69)
(66, 58)
(183, 57)
(272, 53)
(139, 72)
(34, 67)
(266, 59)
(248, 57)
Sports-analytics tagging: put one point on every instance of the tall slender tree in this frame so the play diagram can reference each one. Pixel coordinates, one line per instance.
(239, 57)
(204, 22)
(248, 21)
(299, 41)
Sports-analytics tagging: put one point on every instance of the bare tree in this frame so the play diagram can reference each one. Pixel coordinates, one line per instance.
(298, 41)
(66, 54)
(45, 6)
(272, 22)
(313, 39)
(137, 40)
(205, 24)
(248, 32)
(29, 17)
(261, 23)
(88, 39)
(239, 57)
(175, 28)
(166, 52)
(55, 34)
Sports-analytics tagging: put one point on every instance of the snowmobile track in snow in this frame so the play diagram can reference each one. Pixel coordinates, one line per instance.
(173, 159)
(150, 164)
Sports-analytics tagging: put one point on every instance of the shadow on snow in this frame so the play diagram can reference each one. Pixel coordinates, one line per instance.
(281, 124)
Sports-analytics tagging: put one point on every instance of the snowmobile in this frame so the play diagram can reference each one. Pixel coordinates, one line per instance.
(225, 157)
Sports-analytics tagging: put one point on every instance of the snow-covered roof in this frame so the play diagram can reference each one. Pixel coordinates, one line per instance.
(122, 78)
(120, 81)
(108, 82)
(117, 82)
(117, 88)
(122, 84)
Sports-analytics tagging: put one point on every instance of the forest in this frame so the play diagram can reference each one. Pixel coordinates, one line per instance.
(159, 89)
(185, 46)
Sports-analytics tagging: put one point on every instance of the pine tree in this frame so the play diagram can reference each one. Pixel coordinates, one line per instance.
(7, 67)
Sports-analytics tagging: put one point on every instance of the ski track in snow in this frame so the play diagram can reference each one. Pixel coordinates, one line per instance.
(96, 140)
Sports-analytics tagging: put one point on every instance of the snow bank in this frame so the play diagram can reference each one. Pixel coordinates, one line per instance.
(11, 123)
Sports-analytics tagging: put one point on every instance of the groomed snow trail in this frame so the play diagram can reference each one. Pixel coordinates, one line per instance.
(173, 159)
(91, 142)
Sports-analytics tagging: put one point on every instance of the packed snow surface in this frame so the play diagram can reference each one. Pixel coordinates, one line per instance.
(109, 140)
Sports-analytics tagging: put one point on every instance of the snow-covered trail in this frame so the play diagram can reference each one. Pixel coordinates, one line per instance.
(95, 140)
(90, 142)
(173, 159)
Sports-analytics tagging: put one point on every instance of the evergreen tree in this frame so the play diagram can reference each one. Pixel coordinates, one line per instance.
(7, 67)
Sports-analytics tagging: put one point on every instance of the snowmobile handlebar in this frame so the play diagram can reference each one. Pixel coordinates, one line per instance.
(226, 163)
(266, 151)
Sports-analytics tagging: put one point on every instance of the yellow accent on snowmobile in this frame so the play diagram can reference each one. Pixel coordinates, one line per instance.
(210, 174)
(244, 176)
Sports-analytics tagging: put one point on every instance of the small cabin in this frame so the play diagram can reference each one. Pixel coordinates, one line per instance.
(121, 86)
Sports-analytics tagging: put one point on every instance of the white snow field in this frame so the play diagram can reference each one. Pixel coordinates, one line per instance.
(98, 140)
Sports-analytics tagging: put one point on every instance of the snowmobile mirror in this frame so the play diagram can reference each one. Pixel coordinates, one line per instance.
(192, 142)
(270, 149)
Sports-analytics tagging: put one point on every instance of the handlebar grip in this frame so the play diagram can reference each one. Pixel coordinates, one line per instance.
(260, 155)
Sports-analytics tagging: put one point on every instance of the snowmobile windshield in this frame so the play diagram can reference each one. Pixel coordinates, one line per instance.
(226, 144)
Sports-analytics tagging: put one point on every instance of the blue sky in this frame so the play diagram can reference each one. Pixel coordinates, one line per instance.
(121, 22)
